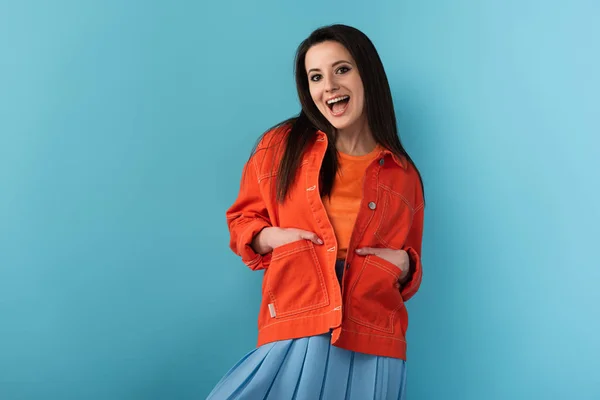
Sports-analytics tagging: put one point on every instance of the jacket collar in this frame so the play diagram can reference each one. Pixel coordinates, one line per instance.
(401, 161)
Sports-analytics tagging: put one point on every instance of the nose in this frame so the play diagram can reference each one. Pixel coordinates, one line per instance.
(330, 84)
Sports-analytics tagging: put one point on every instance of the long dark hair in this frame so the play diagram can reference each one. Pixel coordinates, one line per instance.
(301, 129)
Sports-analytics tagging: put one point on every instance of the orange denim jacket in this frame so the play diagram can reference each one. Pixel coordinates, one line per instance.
(301, 295)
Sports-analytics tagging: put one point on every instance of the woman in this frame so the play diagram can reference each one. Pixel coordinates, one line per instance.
(331, 209)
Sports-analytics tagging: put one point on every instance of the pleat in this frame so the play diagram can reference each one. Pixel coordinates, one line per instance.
(312, 376)
(287, 377)
(362, 382)
(402, 374)
(395, 372)
(380, 388)
(240, 374)
(264, 376)
(349, 382)
(337, 371)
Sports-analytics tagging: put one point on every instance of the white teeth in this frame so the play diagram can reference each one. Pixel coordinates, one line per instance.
(337, 99)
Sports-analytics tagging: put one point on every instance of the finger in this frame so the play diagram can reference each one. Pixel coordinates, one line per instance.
(367, 250)
(312, 237)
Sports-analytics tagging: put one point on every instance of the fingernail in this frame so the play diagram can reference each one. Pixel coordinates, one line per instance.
(359, 250)
(319, 241)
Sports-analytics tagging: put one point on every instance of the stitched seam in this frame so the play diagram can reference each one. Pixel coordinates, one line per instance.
(289, 252)
(255, 164)
(320, 272)
(384, 267)
(389, 189)
(355, 283)
(293, 319)
(311, 208)
(272, 297)
(377, 327)
(418, 208)
(370, 334)
(266, 176)
(300, 310)
(368, 324)
(253, 262)
(275, 173)
(393, 314)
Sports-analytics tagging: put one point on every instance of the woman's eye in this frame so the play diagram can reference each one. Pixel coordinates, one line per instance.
(343, 70)
(315, 78)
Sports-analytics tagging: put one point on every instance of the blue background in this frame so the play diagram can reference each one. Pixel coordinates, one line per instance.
(123, 130)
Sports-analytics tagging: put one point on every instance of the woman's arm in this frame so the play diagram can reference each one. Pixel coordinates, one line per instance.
(413, 248)
(247, 217)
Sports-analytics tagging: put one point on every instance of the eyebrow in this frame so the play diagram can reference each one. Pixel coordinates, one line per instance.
(333, 65)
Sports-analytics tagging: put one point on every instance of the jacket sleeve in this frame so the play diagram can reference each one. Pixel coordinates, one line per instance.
(413, 248)
(247, 217)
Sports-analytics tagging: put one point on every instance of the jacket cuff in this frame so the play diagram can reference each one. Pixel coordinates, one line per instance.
(411, 286)
(249, 257)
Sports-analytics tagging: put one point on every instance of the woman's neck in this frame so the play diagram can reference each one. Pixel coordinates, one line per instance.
(355, 141)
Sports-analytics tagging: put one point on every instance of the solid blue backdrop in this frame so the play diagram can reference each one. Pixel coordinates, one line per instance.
(123, 130)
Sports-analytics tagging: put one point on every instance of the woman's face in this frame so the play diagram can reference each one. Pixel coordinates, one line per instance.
(335, 84)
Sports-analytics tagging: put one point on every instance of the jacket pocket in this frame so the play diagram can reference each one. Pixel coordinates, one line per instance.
(395, 220)
(374, 297)
(294, 280)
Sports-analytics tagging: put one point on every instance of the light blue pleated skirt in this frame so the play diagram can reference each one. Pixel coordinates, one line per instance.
(312, 369)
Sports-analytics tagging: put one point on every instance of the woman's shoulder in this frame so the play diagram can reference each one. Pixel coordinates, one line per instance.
(278, 134)
(270, 147)
(275, 136)
(416, 184)
(406, 180)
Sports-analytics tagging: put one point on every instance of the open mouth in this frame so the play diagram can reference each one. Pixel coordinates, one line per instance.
(338, 105)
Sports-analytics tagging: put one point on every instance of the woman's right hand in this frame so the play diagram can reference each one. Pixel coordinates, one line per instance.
(273, 237)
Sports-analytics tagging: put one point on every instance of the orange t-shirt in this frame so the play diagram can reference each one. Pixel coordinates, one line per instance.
(343, 203)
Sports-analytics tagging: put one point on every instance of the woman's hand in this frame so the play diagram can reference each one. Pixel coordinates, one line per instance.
(273, 237)
(399, 258)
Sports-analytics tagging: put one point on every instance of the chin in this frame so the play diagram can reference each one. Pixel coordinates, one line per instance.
(342, 124)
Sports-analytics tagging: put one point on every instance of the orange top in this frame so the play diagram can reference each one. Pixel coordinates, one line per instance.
(344, 202)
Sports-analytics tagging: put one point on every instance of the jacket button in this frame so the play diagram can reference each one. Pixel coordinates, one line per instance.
(381, 162)
(372, 205)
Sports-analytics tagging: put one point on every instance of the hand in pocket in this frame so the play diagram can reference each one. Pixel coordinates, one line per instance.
(273, 237)
(399, 258)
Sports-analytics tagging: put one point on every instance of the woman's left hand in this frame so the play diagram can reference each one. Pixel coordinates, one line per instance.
(399, 258)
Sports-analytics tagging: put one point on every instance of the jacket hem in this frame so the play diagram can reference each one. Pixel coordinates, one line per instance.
(379, 345)
(295, 328)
